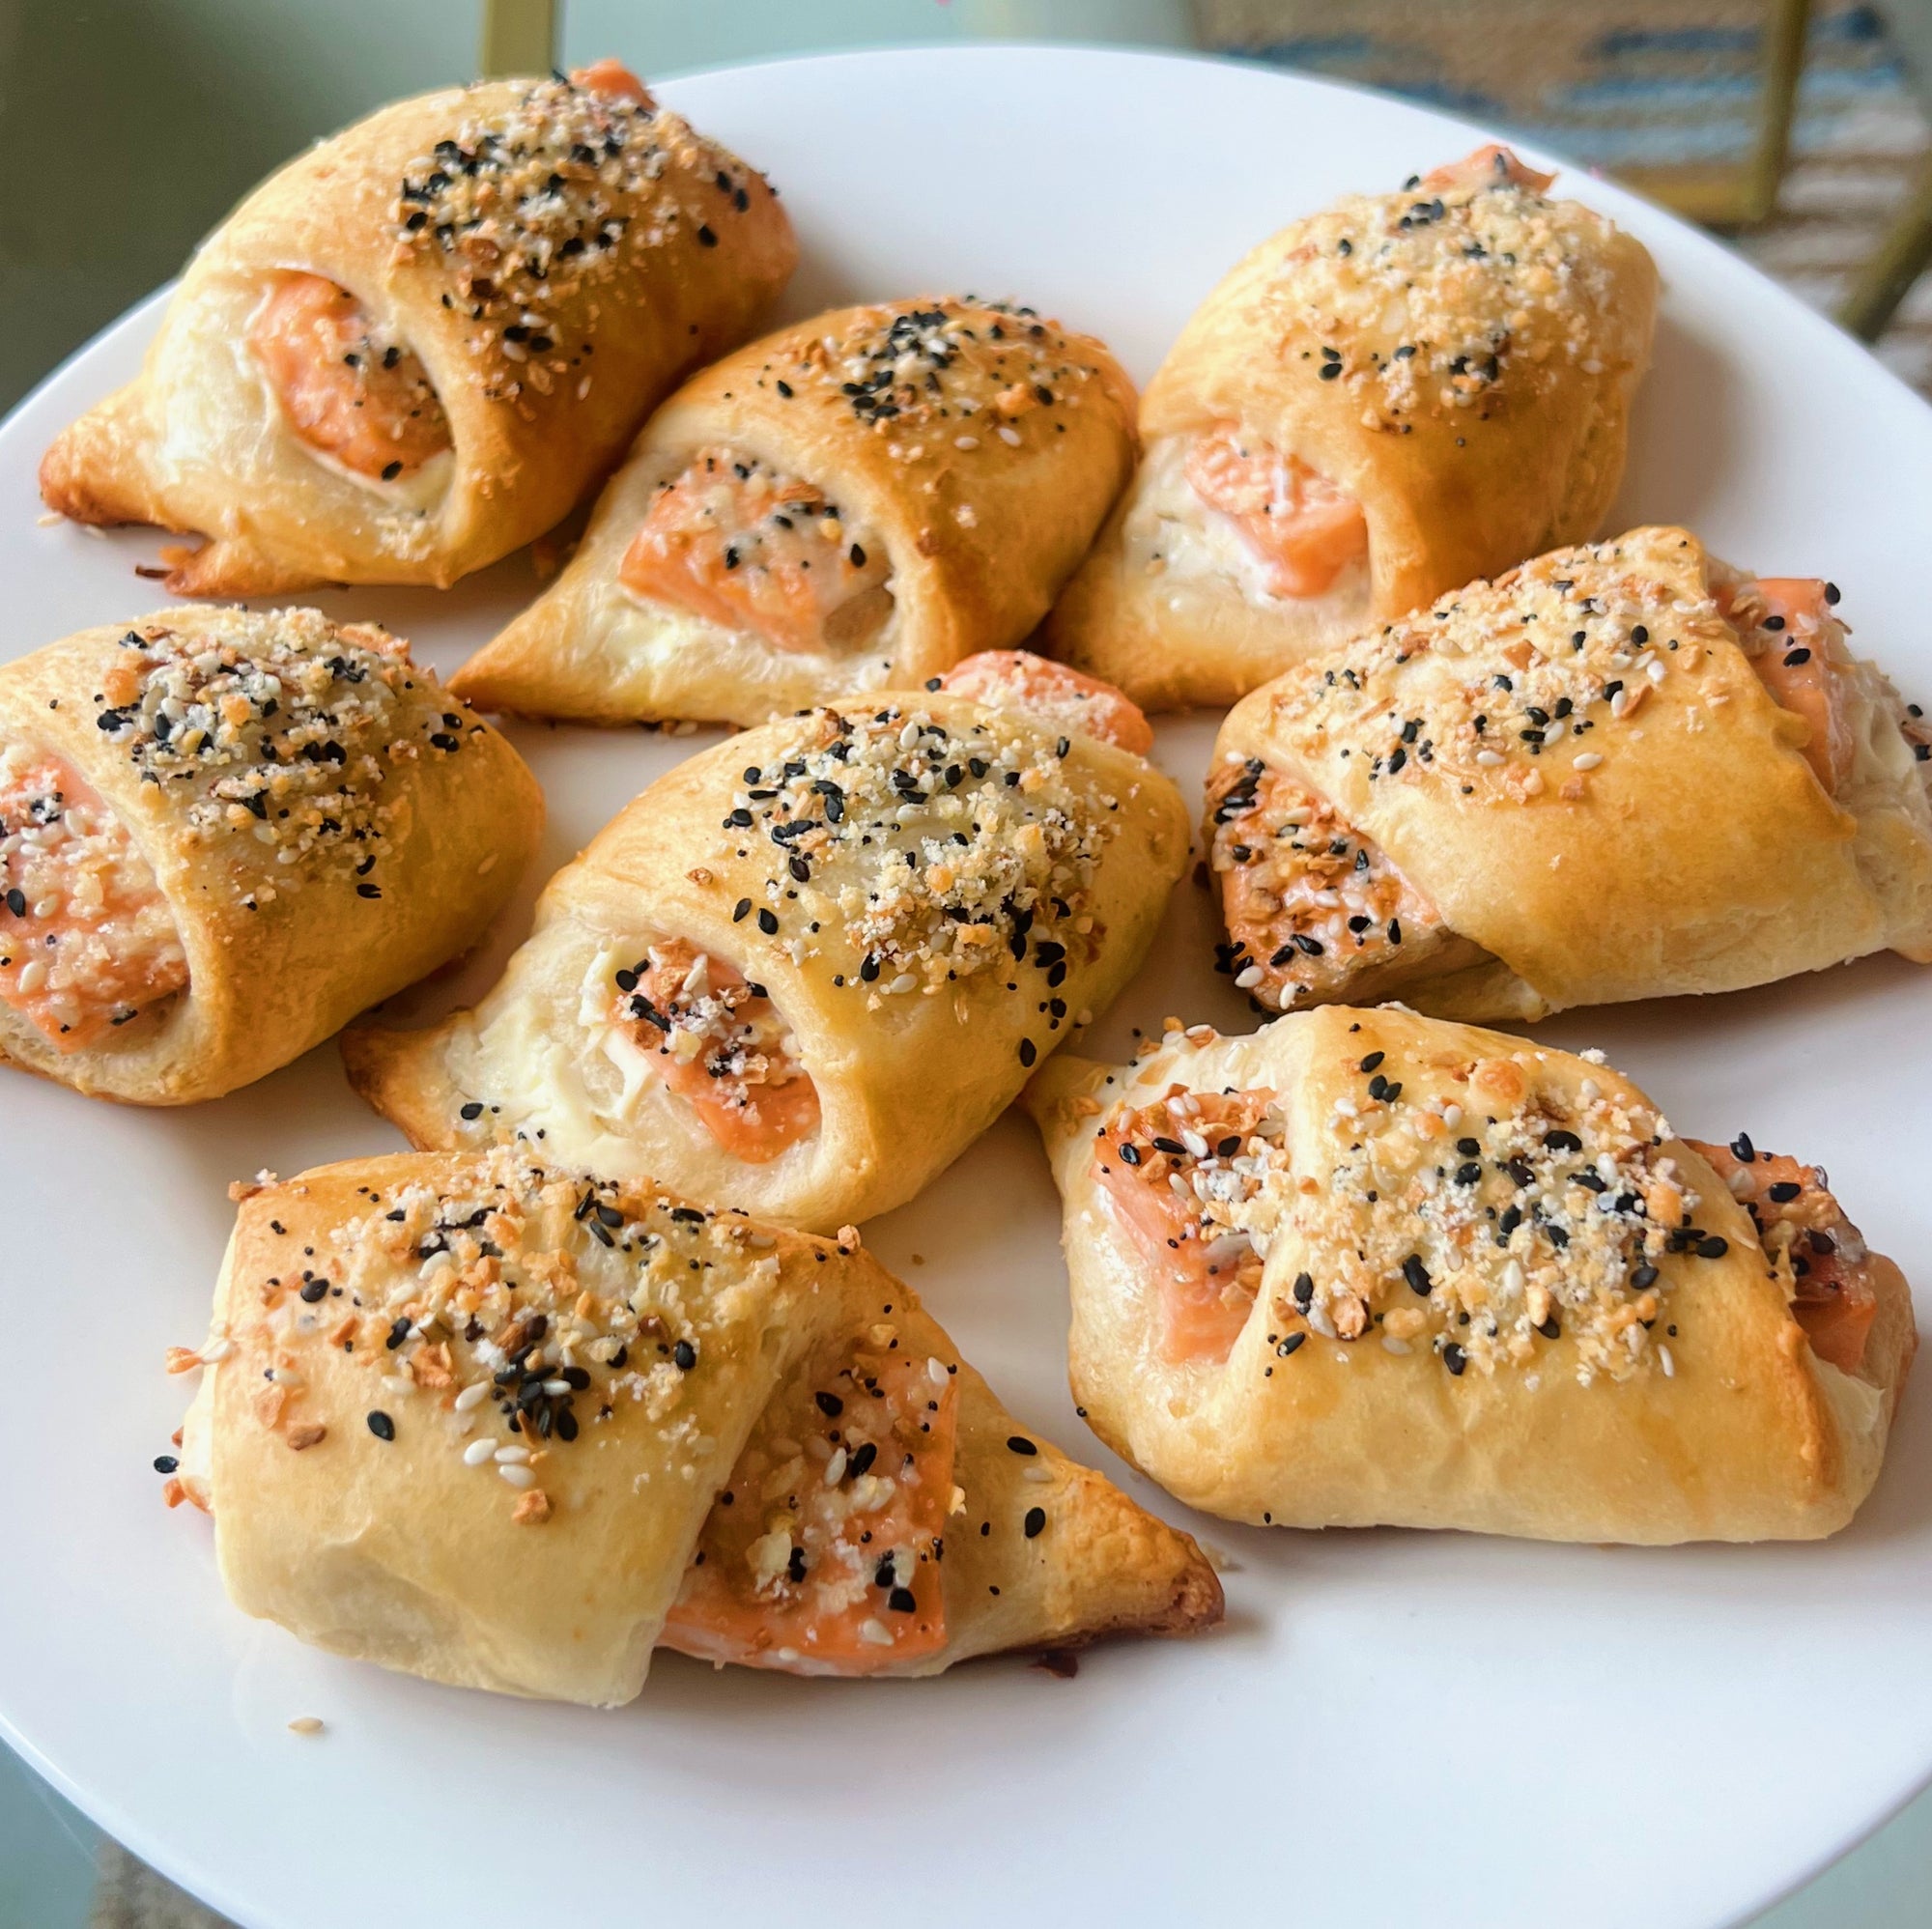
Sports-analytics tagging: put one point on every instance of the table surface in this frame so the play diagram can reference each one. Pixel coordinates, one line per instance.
(47, 1850)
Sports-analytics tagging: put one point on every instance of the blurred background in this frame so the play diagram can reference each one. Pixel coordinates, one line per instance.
(1800, 134)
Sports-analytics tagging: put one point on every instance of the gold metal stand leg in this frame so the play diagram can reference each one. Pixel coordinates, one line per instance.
(518, 37)
(1900, 259)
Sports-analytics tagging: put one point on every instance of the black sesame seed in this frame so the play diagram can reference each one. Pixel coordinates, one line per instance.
(768, 920)
(314, 1289)
(1035, 1522)
(1029, 1051)
(1291, 1345)
(1374, 1060)
(828, 1405)
(1417, 1275)
(862, 1457)
(1713, 1248)
(1563, 1142)
(473, 1110)
(684, 1356)
(165, 1464)
(381, 1426)
(1018, 1443)
(1785, 1190)
(739, 912)
(1743, 1149)
(1453, 1357)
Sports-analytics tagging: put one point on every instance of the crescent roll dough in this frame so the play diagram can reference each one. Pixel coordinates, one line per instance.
(1365, 1266)
(1387, 399)
(223, 835)
(852, 503)
(505, 1425)
(416, 347)
(1624, 771)
(804, 970)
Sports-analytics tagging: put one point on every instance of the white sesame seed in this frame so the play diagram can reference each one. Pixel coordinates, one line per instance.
(960, 443)
(518, 1476)
(1489, 759)
(874, 1631)
(1655, 671)
(477, 1451)
(1011, 437)
(216, 1352)
(835, 1467)
(513, 1453)
(1669, 1364)
(473, 1395)
(1589, 760)
(1247, 980)
(556, 1388)
(305, 1724)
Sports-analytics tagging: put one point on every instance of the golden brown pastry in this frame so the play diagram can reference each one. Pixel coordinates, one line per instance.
(507, 1425)
(1626, 771)
(417, 346)
(804, 970)
(853, 503)
(223, 835)
(1387, 399)
(1365, 1266)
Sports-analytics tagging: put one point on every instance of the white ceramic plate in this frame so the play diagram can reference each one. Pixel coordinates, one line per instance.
(1392, 1727)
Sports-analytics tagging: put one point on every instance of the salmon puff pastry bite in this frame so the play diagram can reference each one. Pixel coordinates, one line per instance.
(1387, 399)
(1368, 1267)
(805, 970)
(852, 503)
(223, 835)
(505, 1425)
(1624, 771)
(419, 344)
